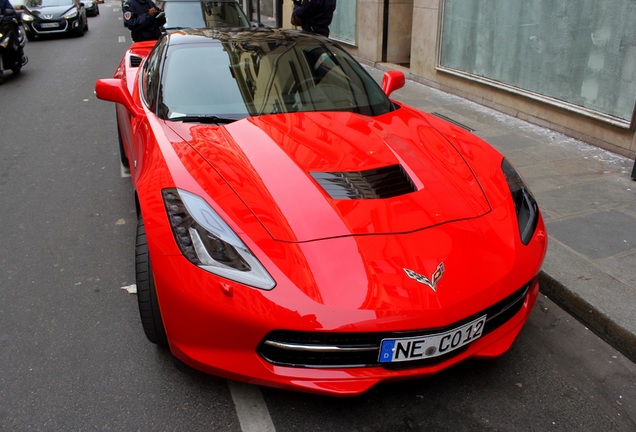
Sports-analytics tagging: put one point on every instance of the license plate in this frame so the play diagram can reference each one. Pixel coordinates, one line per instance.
(50, 25)
(423, 347)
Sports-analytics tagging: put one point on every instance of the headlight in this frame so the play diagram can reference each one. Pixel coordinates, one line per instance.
(525, 205)
(26, 17)
(208, 242)
(70, 14)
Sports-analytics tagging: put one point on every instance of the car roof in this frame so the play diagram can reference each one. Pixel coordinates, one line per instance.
(252, 34)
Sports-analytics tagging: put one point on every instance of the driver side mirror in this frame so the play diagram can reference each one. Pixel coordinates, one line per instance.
(392, 81)
(114, 90)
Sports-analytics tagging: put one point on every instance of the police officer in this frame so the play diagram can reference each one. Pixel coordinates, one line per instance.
(315, 15)
(5, 5)
(144, 19)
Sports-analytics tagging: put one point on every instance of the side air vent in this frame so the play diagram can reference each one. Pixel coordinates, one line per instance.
(384, 182)
(135, 61)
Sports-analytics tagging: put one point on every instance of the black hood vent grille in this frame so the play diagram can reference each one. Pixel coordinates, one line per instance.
(384, 182)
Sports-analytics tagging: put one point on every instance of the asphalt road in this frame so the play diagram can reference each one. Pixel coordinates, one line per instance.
(73, 356)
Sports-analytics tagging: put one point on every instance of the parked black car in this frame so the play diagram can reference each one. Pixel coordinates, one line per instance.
(92, 7)
(48, 17)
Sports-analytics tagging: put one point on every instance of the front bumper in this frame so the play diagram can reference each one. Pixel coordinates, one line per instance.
(222, 332)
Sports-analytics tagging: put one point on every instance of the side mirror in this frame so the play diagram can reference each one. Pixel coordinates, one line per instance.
(114, 90)
(392, 81)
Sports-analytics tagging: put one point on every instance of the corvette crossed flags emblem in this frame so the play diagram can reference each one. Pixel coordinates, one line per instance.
(432, 282)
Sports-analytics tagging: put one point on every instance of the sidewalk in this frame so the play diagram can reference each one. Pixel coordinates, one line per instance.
(588, 201)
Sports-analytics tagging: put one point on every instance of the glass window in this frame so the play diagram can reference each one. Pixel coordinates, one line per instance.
(150, 76)
(581, 53)
(343, 26)
(262, 11)
(198, 80)
(240, 79)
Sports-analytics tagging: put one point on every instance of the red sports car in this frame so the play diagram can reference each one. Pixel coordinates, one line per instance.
(299, 229)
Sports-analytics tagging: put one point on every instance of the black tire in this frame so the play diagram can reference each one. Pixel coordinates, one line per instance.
(146, 292)
(122, 153)
(30, 37)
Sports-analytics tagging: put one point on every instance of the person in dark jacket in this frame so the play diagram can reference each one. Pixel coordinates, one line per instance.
(315, 15)
(144, 19)
(5, 5)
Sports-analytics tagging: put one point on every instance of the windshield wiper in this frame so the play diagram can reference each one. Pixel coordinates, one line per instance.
(203, 119)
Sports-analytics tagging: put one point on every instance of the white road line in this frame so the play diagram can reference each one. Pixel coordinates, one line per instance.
(250, 407)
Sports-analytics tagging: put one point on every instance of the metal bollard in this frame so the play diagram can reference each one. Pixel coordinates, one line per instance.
(634, 171)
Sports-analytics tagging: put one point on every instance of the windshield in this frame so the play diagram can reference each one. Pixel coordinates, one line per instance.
(239, 79)
(43, 3)
(204, 14)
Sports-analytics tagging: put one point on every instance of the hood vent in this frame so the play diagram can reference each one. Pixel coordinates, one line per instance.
(384, 182)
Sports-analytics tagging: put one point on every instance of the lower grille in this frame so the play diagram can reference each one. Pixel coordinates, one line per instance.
(336, 350)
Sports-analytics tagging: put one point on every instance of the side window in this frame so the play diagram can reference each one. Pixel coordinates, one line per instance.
(150, 77)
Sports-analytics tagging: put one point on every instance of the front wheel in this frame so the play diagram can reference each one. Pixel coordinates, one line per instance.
(146, 292)
(18, 66)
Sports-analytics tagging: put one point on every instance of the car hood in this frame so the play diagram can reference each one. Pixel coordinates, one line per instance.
(56, 12)
(310, 176)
